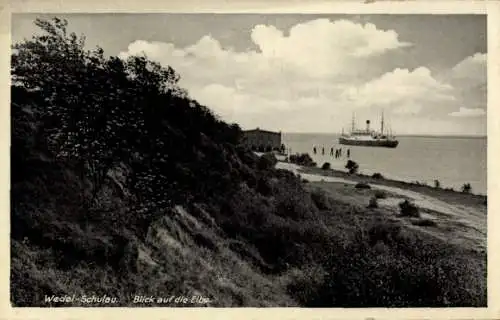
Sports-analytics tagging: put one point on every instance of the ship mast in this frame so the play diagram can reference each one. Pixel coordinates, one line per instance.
(352, 125)
(382, 124)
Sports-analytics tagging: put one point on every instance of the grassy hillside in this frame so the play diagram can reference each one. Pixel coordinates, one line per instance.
(123, 185)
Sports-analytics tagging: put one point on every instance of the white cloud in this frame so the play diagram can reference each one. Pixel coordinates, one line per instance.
(472, 67)
(468, 112)
(401, 89)
(469, 77)
(308, 68)
(310, 77)
(322, 48)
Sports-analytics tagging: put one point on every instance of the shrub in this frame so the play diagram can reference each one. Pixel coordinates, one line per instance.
(392, 278)
(373, 203)
(320, 199)
(377, 175)
(264, 186)
(362, 185)
(385, 232)
(267, 161)
(424, 223)
(326, 166)
(352, 166)
(408, 209)
(303, 159)
(466, 188)
(437, 184)
(379, 194)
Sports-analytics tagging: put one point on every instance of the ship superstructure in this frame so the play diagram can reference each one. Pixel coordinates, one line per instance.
(369, 137)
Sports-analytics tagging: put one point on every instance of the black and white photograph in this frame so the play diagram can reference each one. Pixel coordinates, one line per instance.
(270, 160)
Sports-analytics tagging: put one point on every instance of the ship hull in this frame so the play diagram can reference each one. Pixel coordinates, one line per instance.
(369, 143)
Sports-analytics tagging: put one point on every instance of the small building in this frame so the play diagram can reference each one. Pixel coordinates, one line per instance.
(263, 140)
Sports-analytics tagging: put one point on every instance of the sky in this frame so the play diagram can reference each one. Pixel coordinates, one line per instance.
(310, 73)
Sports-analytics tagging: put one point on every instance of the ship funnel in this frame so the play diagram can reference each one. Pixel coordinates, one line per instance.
(367, 125)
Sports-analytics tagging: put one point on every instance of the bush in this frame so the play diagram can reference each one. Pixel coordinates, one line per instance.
(326, 166)
(377, 175)
(385, 232)
(320, 199)
(267, 161)
(352, 166)
(424, 223)
(408, 209)
(373, 203)
(379, 194)
(264, 186)
(362, 185)
(437, 184)
(303, 159)
(466, 188)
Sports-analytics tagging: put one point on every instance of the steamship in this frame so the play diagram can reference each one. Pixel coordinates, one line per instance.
(368, 137)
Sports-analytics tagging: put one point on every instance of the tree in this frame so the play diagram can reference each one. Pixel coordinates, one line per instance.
(97, 112)
(77, 94)
(352, 166)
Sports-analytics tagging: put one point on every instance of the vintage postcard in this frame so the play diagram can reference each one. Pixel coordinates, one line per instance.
(329, 161)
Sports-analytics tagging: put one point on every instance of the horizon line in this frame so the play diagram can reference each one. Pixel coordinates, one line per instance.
(405, 134)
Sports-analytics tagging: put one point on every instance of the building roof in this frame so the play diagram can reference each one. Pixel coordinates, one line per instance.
(263, 131)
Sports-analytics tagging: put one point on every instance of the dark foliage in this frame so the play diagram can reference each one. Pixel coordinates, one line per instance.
(321, 200)
(393, 268)
(408, 209)
(303, 159)
(377, 175)
(379, 194)
(437, 184)
(362, 185)
(466, 188)
(96, 112)
(326, 166)
(424, 223)
(373, 203)
(352, 166)
(267, 161)
(77, 117)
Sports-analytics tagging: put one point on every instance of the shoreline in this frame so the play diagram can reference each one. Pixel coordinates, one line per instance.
(445, 195)
(337, 170)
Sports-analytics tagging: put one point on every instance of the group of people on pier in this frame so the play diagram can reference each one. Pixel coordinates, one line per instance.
(337, 154)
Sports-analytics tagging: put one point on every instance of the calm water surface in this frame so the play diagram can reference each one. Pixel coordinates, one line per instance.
(451, 160)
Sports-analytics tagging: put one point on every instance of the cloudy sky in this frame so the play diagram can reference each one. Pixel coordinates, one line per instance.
(310, 73)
